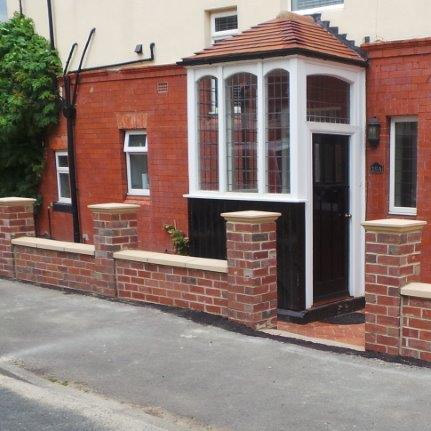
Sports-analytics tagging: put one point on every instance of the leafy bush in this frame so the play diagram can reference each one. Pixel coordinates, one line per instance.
(178, 238)
(28, 104)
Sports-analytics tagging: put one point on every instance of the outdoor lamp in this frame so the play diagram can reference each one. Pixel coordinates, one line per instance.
(373, 131)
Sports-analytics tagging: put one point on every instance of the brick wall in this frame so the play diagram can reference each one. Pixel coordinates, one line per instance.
(398, 84)
(242, 289)
(54, 268)
(252, 262)
(194, 289)
(395, 322)
(16, 219)
(115, 229)
(108, 103)
(392, 256)
(416, 327)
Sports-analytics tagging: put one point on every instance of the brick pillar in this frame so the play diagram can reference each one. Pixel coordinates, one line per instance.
(392, 260)
(115, 229)
(16, 219)
(252, 268)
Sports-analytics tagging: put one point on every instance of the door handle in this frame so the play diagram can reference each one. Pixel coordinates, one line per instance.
(348, 215)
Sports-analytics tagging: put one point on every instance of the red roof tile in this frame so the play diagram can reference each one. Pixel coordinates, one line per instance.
(288, 34)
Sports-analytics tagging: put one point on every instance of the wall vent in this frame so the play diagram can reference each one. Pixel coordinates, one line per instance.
(162, 87)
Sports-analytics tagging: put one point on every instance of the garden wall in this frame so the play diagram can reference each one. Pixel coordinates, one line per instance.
(243, 289)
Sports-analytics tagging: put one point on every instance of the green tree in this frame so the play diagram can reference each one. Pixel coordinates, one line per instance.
(29, 105)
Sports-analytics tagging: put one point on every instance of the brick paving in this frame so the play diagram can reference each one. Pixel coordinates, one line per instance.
(332, 330)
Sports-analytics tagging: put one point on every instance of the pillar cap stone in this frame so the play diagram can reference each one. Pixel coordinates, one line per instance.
(251, 216)
(16, 201)
(113, 208)
(417, 290)
(394, 225)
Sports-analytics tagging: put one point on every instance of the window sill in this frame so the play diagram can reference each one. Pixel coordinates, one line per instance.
(267, 197)
(319, 9)
(403, 212)
(138, 199)
(62, 207)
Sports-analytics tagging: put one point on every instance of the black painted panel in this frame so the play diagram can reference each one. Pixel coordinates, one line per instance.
(208, 239)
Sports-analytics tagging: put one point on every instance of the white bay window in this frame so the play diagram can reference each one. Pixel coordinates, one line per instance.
(250, 122)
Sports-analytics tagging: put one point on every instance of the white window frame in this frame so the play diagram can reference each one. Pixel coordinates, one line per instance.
(218, 35)
(392, 208)
(62, 170)
(135, 150)
(316, 9)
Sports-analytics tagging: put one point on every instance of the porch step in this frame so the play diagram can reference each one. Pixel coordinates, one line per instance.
(324, 311)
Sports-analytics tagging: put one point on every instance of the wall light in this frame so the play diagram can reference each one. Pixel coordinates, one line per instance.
(373, 132)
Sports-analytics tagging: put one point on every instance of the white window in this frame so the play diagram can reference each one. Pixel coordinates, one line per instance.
(299, 5)
(223, 24)
(63, 183)
(136, 149)
(3, 10)
(403, 169)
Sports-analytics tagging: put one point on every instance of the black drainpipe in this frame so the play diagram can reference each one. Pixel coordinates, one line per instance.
(69, 112)
(51, 25)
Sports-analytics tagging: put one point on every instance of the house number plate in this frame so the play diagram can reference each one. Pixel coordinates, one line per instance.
(376, 168)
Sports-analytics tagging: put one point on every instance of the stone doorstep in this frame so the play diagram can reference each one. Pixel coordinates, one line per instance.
(323, 341)
(214, 265)
(417, 290)
(50, 244)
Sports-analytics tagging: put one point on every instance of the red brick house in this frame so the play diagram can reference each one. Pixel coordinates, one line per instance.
(271, 119)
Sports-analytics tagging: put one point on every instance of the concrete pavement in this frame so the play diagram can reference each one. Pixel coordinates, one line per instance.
(203, 376)
(28, 402)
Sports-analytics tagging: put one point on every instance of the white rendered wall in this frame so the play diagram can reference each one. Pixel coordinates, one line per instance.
(181, 27)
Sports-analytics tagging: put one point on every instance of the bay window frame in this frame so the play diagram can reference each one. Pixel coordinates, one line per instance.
(301, 135)
(222, 72)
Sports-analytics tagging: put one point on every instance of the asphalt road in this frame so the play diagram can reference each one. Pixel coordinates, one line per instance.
(196, 376)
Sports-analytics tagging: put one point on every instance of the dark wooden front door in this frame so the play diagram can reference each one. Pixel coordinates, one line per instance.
(331, 216)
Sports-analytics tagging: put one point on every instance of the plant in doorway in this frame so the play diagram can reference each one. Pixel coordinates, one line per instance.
(179, 240)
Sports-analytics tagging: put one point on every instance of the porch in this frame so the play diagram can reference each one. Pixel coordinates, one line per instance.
(276, 123)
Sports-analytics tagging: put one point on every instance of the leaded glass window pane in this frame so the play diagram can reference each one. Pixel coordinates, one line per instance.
(278, 132)
(241, 139)
(328, 99)
(405, 169)
(208, 133)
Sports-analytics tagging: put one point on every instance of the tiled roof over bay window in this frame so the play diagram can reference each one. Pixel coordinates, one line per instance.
(288, 34)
